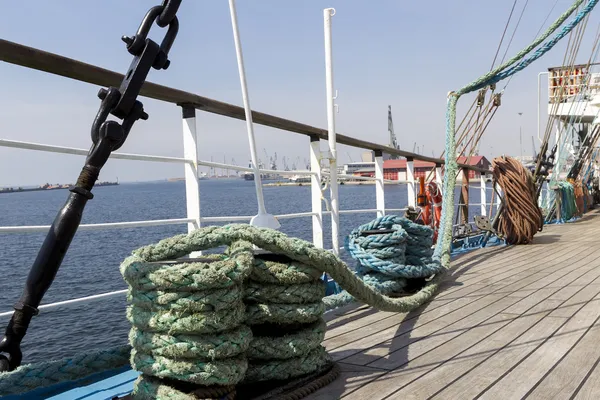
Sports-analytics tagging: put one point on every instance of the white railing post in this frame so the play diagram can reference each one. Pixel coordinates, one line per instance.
(190, 152)
(379, 184)
(315, 191)
(262, 219)
(483, 194)
(438, 174)
(335, 216)
(499, 192)
(410, 182)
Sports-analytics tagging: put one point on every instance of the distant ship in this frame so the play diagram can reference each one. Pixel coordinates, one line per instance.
(249, 176)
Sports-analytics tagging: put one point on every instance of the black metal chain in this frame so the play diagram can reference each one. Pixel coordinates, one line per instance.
(107, 136)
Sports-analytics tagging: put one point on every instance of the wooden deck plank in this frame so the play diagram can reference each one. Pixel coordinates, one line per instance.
(511, 275)
(565, 378)
(510, 322)
(371, 339)
(478, 379)
(447, 344)
(517, 383)
(389, 383)
(487, 269)
(492, 369)
(590, 388)
(443, 372)
(351, 377)
(393, 353)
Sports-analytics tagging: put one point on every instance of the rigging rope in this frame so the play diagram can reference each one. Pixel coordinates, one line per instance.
(503, 34)
(499, 73)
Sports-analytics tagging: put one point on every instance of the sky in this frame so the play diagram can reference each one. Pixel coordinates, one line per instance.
(405, 54)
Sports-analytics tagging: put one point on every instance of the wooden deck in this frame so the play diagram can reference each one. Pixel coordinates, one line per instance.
(510, 323)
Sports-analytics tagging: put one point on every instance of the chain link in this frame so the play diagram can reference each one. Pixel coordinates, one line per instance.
(107, 136)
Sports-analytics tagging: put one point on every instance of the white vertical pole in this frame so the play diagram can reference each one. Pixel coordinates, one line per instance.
(190, 152)
(262, 219)
(438, 175)
(410, 182)
(498, 197)
(192, 185)
(483, 194)
(315, 192)
(379, 185)
(335, 217)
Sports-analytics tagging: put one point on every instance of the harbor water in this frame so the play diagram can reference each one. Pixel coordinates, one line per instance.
(92, 264)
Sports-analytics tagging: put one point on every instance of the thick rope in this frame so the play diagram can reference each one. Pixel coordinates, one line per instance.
(521, 217)
(33, 376)
(304, 253)
(282, 299)
(387, 260)
(442, 250)
(188, 321)
(155, 279)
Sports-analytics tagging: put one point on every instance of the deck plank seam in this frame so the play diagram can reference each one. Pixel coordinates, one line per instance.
(557, 266)
(532, 389)
(491, 354)
(468, 304)
(539, 345)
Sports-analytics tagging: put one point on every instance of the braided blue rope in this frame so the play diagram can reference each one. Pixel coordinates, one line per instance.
(544, 48)
(387, 253)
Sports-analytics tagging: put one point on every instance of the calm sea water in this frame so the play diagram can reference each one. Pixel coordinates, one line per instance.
(92, 264)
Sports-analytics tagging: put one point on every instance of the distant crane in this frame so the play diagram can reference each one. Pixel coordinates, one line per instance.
(393, 139)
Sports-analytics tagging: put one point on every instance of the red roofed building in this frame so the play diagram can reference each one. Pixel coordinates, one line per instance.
(396, 169)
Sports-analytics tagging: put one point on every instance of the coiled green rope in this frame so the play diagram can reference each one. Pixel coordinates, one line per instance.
(188, 319)
(204, 322)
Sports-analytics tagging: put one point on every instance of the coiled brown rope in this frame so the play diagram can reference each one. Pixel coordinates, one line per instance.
(520, 216)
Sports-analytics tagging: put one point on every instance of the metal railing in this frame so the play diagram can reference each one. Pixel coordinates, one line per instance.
(55, 64)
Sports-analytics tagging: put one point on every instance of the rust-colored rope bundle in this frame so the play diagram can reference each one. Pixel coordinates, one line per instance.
(578, 190)
(520, 216)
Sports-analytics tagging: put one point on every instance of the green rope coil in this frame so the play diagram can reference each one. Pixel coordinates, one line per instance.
(202, 301)
(302, 293)
(278, 313)
(286, 273)
(315, 360)
(201, 372)
(144, 275)
(148, 388)
(173, 321)
(213, 346)
(289, 345)
(187, 319)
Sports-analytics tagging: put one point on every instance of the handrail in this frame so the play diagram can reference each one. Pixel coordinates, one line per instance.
(40, 60)
(141, 157)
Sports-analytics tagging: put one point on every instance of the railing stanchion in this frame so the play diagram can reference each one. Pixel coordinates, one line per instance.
(315, 191)
(438, 174)
(483, 194)
(331, 134)
(498, 193)
(410, 182)
(379, 184)
(192, 185)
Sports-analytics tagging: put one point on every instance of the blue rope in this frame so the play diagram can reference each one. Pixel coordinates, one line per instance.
(388, 255)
